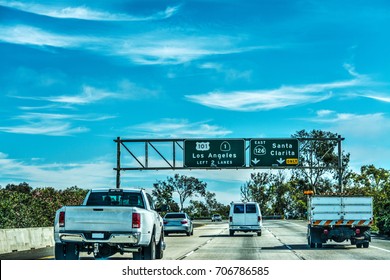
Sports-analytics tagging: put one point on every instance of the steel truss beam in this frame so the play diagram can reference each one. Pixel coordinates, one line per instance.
(169, 153)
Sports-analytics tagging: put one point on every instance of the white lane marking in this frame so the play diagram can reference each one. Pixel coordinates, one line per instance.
(189, 254)
(388, 251)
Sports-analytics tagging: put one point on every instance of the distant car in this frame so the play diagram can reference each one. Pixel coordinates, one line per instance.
(178, 222)
(216, 218)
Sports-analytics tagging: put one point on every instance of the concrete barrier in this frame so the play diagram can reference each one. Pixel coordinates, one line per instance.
(20, 239)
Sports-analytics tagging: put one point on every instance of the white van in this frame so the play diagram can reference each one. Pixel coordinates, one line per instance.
(245, 217)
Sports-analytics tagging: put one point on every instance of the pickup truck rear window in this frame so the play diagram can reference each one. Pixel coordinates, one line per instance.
(115, 199)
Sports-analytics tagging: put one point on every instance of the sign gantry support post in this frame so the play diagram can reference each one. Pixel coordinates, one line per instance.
(118, 162)
(340, 163)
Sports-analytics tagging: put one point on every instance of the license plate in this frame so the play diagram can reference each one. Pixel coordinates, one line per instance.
(98, 235)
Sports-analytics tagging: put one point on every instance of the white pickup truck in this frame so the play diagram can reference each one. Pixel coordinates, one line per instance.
(110, 221)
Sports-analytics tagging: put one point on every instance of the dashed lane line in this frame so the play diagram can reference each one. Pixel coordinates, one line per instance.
(286, 245)
(196, 249)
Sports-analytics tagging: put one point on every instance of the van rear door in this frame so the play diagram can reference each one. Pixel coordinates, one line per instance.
(252, 215)
(239, 215)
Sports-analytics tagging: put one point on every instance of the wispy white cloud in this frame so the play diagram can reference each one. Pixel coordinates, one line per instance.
(52, 124)
(230, 73)
(354, 125)
(258, 100)
(329, 116)
(51, 117)
(323, 113)
(376, 96)
(178, 128)
(85, 12)
(28, 35)
(155, 48)
(47, 116)
(50, 128)
(88, 95)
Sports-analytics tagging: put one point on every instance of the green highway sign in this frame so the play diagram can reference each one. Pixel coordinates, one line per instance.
(274, 152)
(211, 153)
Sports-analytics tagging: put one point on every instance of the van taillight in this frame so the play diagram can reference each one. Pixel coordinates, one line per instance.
(259, 218)
(136, 220)
(61, 220)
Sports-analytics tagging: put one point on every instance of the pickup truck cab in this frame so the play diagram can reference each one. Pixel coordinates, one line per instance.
(110, 221)
(245, 217)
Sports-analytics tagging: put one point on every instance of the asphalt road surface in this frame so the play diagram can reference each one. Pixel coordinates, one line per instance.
(280, 240)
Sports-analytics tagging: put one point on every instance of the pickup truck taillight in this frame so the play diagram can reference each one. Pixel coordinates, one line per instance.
(61, 219)
(136, 220)
(230, 219)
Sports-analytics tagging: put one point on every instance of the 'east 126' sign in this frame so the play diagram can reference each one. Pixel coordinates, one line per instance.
(274, 152)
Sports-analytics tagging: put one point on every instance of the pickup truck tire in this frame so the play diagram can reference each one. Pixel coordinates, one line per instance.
(67, 251)
(159, 247)
(147, 252)
(59, 252)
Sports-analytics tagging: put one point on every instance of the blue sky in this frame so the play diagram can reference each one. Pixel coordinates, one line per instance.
(77, 74)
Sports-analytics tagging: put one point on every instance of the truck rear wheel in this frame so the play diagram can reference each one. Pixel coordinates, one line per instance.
(67, 251)
(148, 252)
(59, 251)
(310, 242)
(364, 245)
(72, 251)
(159, 247)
